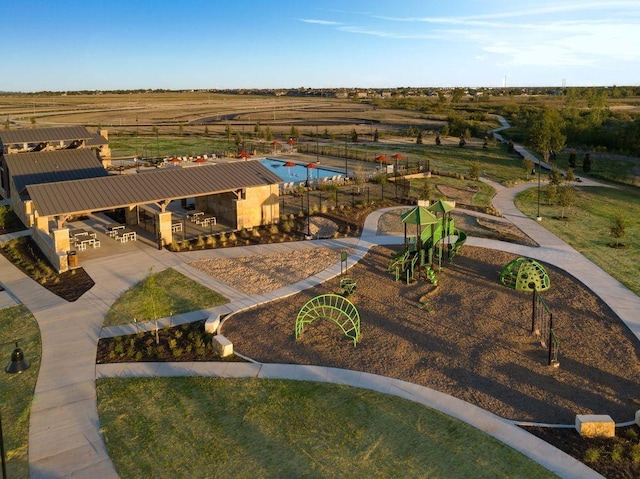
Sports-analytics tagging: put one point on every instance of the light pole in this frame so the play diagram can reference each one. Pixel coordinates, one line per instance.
(539, 218)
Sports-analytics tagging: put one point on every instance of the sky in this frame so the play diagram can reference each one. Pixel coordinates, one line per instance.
(66, 45)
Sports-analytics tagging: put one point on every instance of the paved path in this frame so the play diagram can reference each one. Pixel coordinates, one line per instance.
(64, 436)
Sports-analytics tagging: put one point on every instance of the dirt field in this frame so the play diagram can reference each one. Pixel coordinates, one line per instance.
(475, 344)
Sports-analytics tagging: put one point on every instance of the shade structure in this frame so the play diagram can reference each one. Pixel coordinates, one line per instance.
(418, 216)
(381, 159)
(276, 143)
(442, 206)
(244, 154)
(398, 156)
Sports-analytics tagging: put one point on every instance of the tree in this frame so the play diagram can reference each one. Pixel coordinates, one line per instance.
(555, 177)
(227, 131)
(462, 141)
(153, 301)
(294, 132)
(572, 158)
(545, 133)
(551, 192)
(570, 177)
(474, 170)
(438, 141)
(354, 136)
(268, 135)
(238, 139)
(485, 145)
(206, 131)
(426, 190)
(180, 130)
(586, 163)
(419, 138)
(566, 197)
(618, 229)
(528, 165)
(376, 135)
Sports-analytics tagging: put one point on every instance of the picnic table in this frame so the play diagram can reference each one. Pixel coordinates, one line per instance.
(125, 234)
(193, 216)
(176, 226)
(113, 228)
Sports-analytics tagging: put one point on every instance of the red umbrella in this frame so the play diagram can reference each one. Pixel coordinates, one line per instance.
(175, 160)
(382, 159)
(291, 141)
(200, 160)
(398, 156)
(276, 143)
(310, 166)
(289, 165)
(244, 154)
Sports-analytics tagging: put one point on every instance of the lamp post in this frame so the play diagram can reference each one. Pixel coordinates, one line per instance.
(539, 218)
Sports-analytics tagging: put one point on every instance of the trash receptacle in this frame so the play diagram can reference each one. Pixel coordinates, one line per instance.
(73, 259)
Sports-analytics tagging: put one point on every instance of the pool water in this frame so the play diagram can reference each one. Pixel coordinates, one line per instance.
(298, 172)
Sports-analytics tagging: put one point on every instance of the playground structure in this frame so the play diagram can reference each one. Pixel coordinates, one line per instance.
(347, 283)
(333, 307)
(527, 275)
(433, 235)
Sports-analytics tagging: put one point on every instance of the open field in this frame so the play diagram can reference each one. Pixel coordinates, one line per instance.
(249, 428)
(587, 227)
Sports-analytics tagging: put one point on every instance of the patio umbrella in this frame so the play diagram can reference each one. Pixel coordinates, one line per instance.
(244, 154)
(398, 156)
(381, 159)
(175, 160)
(200, 160)
(310, 166)
(291, 141)
(275, 144)
(289, 165)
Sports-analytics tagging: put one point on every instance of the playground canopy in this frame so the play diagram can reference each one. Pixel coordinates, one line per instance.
(442, 206)
(418, 216)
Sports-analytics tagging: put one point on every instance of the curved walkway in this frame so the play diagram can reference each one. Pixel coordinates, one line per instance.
(64, 436)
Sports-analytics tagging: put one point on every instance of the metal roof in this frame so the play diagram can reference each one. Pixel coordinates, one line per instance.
(96, 140)
(53, 166)
(38, 135)
(117, 191)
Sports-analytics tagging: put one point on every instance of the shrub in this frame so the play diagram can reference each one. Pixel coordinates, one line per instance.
(200, 242)
(592, 455)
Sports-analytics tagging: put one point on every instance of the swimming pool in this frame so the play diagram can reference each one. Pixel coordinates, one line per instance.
(298, 172)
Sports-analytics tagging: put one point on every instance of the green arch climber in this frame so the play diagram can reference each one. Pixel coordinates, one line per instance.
(335, 308)
(525, 274)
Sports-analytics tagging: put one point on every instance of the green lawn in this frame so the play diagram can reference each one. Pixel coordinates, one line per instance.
(589, 226)
(254, 428)
(175, 294)
(16, 390)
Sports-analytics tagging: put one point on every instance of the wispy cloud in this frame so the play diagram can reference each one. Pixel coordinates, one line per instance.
(319, 22)
(390, 34)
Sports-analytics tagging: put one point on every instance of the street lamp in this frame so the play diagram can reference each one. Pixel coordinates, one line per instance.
(539, 218)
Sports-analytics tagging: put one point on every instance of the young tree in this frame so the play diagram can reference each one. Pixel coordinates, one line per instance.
(462, 141)
(570, 177)
(227, 131)
(354, 136)
(294, 132)
(586, 163)
(529, 166)
(551, 193)
(419, 138)
(206, 131)
(238, 139)
(426, 190)
(618, 229)
(545, 133)
(555, 177)
(376, 136)
(474, 170)
(154, 301)
(572, 158)
(268, 135)
(485, 145)
(180, 130)
(566, 197)
(438, 141)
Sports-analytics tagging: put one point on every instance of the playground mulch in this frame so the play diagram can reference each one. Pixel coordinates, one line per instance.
(472, 340)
